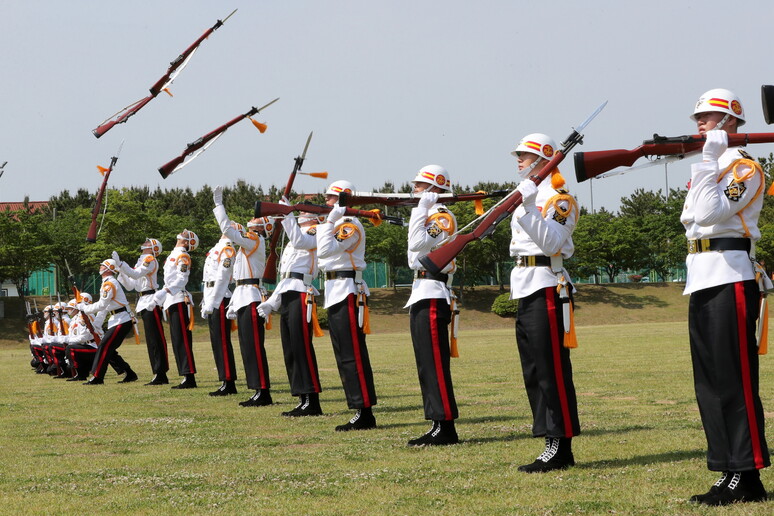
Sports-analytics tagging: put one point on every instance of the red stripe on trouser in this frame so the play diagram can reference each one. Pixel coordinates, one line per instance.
(186, 343)
(436, 345)
(356, 349)
(73, 361)
(556, 344)
(54, 349)
(308, 344)
(257, 344)
(223, 343)
(160, 327)
(744, 362)
(106, 348)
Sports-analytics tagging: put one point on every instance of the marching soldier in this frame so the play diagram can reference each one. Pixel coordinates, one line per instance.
(216, 276)
(143, 278)
(430, 304)
(121, 323)
(541, 239)
(178, 304)
(294, 299)
(248, 294)
(720, 216)
(341, 253)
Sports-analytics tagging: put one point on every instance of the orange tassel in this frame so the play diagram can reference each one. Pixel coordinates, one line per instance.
(570, 340)
(763, 340)
(478, 205)
(233, 325)
(557, 180)
(268, 323)
(770, 191)
(190, 318)
(315, 322)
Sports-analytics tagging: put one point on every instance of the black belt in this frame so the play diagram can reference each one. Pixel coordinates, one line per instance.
(147, 292)
(533, 261)
(293, 275)
(339, 274)
(209, 284)
(119, 310)
(429, 275)
(247, 281)
(702, 245)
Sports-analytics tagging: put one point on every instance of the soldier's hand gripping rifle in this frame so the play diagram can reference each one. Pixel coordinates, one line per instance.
(436, 260)
(665, 149)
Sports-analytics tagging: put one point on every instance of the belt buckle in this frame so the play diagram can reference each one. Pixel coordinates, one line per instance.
(692, 246)
(519, 262)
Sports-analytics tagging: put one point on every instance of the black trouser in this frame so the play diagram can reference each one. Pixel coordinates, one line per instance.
(721, 322)
(251, 337)
(155, 340)
(107, 352)
(220, 338)
(545, 364)
(81, 357)
(349, 347)
(182, 343)
(296, 333)
(430, 320)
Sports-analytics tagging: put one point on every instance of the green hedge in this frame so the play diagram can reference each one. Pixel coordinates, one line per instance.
(504, 306)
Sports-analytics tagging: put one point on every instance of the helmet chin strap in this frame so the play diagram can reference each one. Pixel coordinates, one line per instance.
(524, 173)
(722, 122)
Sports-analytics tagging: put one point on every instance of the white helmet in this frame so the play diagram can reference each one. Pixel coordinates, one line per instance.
(339, 186)
(262, 224)
(536, 143)
(722, 101)
(108, 265)
(152, 244)
(72, 304)
(434, 175)
(192, 241)
(86, 298)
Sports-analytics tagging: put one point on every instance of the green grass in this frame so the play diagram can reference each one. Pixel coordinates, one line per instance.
(131, 449)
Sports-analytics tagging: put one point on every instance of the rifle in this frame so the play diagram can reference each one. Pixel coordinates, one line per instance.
(589, 165)
(91, 236)
(411, 199)
(175, 67)
(39, 318)
(198, 146)
(30, 320)
(270, 271)
(79, 299)
(436, 260)
(269, 209)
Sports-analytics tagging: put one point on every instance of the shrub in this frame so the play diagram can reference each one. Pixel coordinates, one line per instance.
(504, 306)
(322, 317)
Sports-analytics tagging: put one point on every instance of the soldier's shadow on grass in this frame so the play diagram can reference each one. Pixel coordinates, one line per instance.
(644, 460)
(516, 435)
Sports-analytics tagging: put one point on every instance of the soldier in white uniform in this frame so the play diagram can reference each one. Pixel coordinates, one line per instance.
(178, 304)
(143, 278)
(541, 229)
(248, 294)
(216, 276)
(720, 216)
(341, 254)
(121, 323)
(83, 338)
(431, 225)
(294, 299)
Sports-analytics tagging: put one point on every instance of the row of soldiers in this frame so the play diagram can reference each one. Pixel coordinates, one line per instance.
(720, 216)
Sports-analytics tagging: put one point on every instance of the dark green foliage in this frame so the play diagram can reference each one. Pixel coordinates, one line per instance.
(504, 306)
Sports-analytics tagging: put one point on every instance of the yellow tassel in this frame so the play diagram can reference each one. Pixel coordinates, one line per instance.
(557, 180)
(268, 323)
(376, 221)
(763, 343)
(366, 317)
(453, 351)
(233, 325)
(478, 205)
(316, 323)
(570, 340)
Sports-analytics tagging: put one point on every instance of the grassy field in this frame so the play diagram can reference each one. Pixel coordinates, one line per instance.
(67, 448)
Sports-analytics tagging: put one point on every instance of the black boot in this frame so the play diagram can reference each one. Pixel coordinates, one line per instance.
(159, 379)
(362, 420)
(94, 381)
(188, 383)
(716, 488)
(442, 433)
(220, 391)
(308, 405)
(131, 376)
(261, 398)
(556, 456)
(742, 486)
(226, 388)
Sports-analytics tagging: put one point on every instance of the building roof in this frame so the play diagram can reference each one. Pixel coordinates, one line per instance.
(16, 206)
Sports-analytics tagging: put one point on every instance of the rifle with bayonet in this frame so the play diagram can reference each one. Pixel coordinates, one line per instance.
(79, 299)
(436, 260)
(589, 165)
(91, 236)
(270, 209)
(412, 199)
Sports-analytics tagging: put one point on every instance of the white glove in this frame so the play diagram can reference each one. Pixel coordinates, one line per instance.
(206, 311)
(217, 195)
(231, 313)
(428, 200)
(284, 201)
(336, 213)
(715, 145)
(529, 191)
(159, 297)
(116, 258)
(264, 309)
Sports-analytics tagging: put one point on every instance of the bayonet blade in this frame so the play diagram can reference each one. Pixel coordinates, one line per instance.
(265, 106)
(229, 16)
(591, 117)
(303, 154)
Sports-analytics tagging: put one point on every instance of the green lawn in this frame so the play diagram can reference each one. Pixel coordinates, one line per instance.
(131, 449)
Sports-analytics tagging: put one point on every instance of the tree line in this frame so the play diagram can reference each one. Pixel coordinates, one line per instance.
(644, 235)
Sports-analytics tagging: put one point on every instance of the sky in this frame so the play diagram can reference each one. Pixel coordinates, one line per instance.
(387, 87)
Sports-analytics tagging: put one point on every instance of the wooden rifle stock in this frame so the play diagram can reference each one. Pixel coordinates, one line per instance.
(589, 165)
(389, 199)
(270, 209)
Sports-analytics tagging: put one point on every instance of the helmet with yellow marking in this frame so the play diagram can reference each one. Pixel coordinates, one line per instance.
(339, 186)
(108, 265)
(152, 244)
(434, 175)
(536, 143)
(191, 240)
(720, 100)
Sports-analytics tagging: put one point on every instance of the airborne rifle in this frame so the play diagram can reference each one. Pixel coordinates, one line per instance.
(436, 260)
(589, 165)
(270, 209)
(91, 236)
